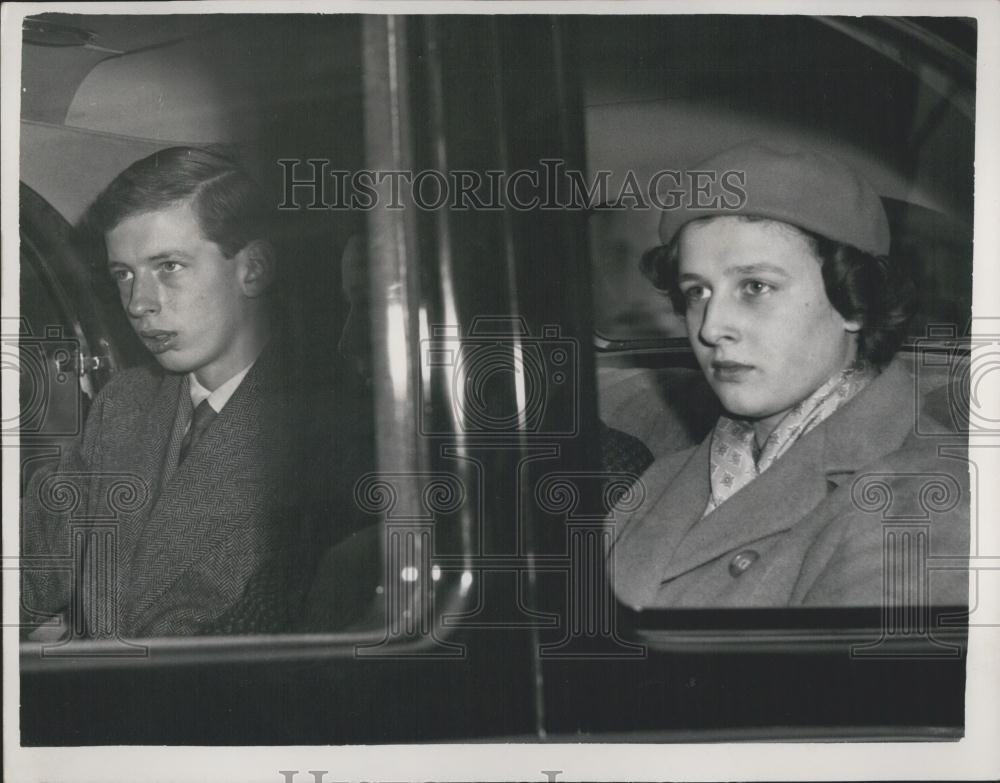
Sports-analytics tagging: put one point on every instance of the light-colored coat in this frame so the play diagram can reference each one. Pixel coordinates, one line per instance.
(860, 490)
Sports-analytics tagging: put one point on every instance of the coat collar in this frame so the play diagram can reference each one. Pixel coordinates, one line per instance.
(888, 408)
(673, 537)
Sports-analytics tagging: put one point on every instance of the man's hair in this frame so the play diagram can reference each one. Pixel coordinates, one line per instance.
(873, 290)
(228, 203)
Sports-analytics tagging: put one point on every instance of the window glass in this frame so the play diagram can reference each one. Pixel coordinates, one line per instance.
(51, 396)
(626, 306)
(667, 93)
(263, 485)
(662, 95)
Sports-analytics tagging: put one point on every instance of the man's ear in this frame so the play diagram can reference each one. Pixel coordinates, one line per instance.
(256, 267)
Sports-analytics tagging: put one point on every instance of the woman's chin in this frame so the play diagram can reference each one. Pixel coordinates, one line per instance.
(744, 407)
(736, 402)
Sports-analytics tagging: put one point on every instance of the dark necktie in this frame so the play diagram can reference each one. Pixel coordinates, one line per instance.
(203, 416)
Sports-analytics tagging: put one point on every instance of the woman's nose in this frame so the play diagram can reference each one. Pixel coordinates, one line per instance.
(718, 321)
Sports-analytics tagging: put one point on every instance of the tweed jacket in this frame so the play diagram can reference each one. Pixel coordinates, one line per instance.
(816, 527)
(177, 546)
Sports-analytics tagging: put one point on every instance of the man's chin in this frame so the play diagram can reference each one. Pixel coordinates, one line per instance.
(172, 362)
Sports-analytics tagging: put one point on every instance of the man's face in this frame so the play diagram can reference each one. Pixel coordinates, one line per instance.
(758, 317)
(185, 299)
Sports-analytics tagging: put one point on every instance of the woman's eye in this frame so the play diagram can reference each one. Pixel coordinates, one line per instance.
(169, 266)
(120, 275)
(756, 287)
(695, 293)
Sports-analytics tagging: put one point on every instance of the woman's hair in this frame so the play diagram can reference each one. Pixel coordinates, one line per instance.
(230, 207)
(873, 290)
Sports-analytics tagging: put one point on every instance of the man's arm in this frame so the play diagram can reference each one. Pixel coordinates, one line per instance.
(47, 505)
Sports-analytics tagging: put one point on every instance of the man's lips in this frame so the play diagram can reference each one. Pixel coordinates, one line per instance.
(730, 371)
(157, 340)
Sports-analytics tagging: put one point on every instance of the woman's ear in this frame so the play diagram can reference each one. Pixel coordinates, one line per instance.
(257, 267)
(852, 326)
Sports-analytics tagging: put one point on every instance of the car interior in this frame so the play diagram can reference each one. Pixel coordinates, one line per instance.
(646, 94)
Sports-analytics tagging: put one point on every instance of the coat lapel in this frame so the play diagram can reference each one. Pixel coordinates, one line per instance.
(170, 449)
(221, 480)
(151, 452)
(786, 492)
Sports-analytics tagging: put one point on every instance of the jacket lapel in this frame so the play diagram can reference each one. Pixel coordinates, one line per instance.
(771, 503)
(221, 479)
(172, 433)
(151, 452)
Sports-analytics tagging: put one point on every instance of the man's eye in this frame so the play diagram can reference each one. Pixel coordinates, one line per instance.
(757, 287)
(120, 275)
(169, 266)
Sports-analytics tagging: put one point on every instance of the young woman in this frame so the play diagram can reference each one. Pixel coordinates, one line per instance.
(795, 311)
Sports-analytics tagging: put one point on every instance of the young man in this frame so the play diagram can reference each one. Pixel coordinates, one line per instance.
(184, 465)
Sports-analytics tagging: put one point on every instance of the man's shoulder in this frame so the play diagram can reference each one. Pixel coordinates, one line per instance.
(134, 385)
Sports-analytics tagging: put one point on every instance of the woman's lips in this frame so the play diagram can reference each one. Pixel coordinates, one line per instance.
(730, 372)
(157, 340)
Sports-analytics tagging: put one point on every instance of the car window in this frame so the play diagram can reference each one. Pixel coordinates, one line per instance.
(422, 499)
(322, 393)
(670, 99)
(52, 400)
(626, 306)
(674, 96)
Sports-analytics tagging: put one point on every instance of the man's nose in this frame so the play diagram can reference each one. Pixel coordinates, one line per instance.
(144, 297)
(718, 322)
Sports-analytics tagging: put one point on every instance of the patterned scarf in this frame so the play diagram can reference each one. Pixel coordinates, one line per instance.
(735, 460)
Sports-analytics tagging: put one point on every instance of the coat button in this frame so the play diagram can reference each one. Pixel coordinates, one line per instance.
(742, 562)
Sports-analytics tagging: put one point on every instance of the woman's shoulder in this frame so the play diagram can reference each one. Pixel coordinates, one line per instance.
(664, 470)
(645, 500)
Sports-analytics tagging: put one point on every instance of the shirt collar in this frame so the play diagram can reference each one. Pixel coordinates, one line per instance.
(220, 396)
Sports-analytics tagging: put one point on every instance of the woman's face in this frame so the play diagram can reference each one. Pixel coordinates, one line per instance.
(758, 318)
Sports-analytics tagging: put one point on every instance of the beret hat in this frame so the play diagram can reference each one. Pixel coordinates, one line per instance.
(802, 187)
